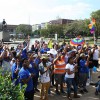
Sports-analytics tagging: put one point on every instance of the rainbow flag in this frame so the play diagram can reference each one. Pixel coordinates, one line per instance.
(92, 26)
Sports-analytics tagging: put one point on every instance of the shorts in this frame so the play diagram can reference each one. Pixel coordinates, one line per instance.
(59, 78)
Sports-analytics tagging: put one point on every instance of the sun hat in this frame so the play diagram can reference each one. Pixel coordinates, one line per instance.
(35, 55)
(82, 54)
(52, 51)
(44, 56)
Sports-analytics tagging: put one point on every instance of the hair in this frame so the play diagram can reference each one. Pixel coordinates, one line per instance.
(24, 60)
(69, 59)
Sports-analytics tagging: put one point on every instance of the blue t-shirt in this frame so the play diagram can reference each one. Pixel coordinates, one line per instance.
(24, 74)
(37, 60)
(44, 50)
(83, 68)
(13, 69)
(24, 53)
(1, 50)
(31, 68)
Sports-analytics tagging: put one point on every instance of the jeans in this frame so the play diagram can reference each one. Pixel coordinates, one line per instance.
(35, 82)
(29, 95)
(70, 82)
(83, 79)
(98, 86)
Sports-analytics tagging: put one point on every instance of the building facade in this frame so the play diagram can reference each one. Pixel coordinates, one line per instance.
(36, 27)
(52, 22)
(60, 21)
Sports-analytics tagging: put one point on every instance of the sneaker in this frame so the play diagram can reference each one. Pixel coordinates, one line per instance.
(96, 93)
(62, 91)
(69, 98)
(85, 90)
(57, 92)
(87, 84)
(37, 90)
(81, 91)
(76, 96)
(72, 89)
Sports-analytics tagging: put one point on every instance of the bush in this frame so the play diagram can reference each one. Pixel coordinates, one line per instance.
(8, 91)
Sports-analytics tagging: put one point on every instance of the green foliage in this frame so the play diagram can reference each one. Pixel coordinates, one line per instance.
(44, 32)
(8, 91)
(51, 30)
(78, 27)
(25, 29)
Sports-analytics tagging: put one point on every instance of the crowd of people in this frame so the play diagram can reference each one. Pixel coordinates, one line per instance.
(50, 65)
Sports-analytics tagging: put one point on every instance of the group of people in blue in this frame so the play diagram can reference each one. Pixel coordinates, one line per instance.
(25, 66)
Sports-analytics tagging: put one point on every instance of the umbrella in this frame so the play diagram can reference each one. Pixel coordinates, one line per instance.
(77, 41)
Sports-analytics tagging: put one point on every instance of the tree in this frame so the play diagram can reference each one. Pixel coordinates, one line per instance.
(44, 32)
(96, 16)
(77, 27)
(56, 29)
(24, 29)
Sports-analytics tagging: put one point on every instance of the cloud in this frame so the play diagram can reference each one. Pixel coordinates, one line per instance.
(37, 11)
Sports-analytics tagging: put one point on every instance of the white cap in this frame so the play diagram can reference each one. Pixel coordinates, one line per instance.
(13, 58)
(52, 51)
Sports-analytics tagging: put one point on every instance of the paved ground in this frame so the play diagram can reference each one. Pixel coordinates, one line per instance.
(87, 96)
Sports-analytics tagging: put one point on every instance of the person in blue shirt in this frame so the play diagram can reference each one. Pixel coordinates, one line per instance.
(15, 69)
(32, 70)
(25, 77)
(44, 49)
(83, 72)
(35, 79)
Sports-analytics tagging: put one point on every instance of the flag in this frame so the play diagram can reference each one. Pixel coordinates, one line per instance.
(93, 21)
(92, 26)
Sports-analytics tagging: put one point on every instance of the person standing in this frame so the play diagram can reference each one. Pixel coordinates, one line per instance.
(25, 77)
(15, 70)
(59, 71)
(95, 56)
(83, 72)
(69, 78)
(6, 56)
(45, 78)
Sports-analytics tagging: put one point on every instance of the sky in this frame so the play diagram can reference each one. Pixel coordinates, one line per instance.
(38, 11)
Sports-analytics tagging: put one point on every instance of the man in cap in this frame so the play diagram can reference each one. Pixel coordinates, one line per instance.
(83, 72)
(45, 78)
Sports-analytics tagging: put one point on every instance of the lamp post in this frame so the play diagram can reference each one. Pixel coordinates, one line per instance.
(94, 37)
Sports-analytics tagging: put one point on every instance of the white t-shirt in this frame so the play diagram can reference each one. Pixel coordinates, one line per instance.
(71, 68)
(44, 77)
(96, 55)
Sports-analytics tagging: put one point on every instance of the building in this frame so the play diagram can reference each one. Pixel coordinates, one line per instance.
(44, 25)
(61, 21)
(12, 29)
(52, 22)
(36, 27)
